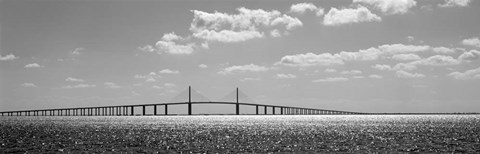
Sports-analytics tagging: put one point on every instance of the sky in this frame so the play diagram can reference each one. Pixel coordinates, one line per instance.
(353, 55)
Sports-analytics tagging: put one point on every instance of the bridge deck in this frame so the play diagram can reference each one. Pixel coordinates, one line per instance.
(117, 109)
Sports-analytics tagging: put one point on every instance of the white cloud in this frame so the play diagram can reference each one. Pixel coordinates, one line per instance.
(375, 76)
(169, 85)
(157, 87)
(351, 72)
(147, 48)
(111, 85)
(406, 57)
(70, 79)
(150, 77)
(228, 36)
(470, 55)
(437, 60)
(203, 66)
(404, 66)
(455, 3)
(443, 50)
(333, 79)
(301, 8)
(336, 17)
(33, 65)
(390, 7)
(243, 68)
(249, 79)
(79, 86)
(401, 48)
(76, 51)
(275, 33)
(168, 45)
(330, 70)
(8, 57)
(472, 42)
(247, 24)
(168, 71)
(382, 67)
(285, 76)
(410, 38)
(171, 37)
(403, 74)
(28, 85)
(310, 59)
(469, 74)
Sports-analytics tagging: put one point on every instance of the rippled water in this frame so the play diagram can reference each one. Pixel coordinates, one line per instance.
(241, 134)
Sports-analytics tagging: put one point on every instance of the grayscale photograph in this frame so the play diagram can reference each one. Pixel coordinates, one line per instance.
(239, 76)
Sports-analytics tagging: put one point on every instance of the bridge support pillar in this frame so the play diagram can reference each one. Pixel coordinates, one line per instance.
(237, 106)
(273, 110)
(166, 109)
(189, 100)
(154, 109)
(143, 111)
(256, 106)
(131, 111)
(265, 110)
(281, 110)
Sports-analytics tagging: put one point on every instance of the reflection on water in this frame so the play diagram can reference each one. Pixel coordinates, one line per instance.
(321, 133)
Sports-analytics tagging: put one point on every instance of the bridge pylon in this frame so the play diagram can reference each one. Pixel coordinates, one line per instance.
(237, 106)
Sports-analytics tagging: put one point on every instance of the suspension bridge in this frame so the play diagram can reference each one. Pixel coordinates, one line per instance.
(129, 110)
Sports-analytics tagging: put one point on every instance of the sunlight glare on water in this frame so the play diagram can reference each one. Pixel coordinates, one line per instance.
(321, 133)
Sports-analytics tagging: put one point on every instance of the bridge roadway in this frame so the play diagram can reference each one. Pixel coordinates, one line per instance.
(129, 110)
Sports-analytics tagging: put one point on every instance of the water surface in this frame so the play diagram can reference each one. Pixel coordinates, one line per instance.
(242, 134)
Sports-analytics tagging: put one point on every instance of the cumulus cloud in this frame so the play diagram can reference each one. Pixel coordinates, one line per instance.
(168, 71)
(70, 79)
(455, 3)
(390, 7)
(404, 66)
(469, 55)
(249, 79)
(301, 8)
(437, 60)
(33, 65)
(406, 57)
(330, 70)
(351, 72)
(285, 76)
(111, 85)
(472, 42)
(76, 51)
(79, 86)
(375, 76)
(150, 77)
(382, 67)
(8, 57)
(169, 44)
(469, 74)
(247, 24)
(443, 50)
(203, 66)
(243, 68)
(275, 33)
(404, 74)
(401, 48)
(169, 85)
(333, 79)
(310, 59)
(325, 59)
(147, 48)
(397, 67)
(336, 17)
(27, 85)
